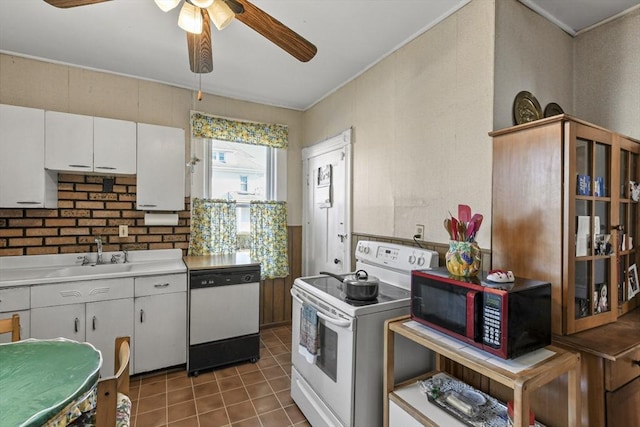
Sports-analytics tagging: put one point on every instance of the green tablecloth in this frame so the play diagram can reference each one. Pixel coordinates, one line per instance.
(39, 378)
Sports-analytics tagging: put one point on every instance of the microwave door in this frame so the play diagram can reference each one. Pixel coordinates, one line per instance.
(448, 307)
(474, 307)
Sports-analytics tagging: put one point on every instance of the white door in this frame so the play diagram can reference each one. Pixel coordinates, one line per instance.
(160, 168)
(106, 320)
(331, 374)
(68, 142)
(67, 321)
(114, 146)
(327, 206)
(160, 331)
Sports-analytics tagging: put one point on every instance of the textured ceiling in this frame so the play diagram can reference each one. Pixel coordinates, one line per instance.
(135, 38)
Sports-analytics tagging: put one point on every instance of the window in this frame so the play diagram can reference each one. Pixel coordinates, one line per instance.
(260, 221)
(240, 172)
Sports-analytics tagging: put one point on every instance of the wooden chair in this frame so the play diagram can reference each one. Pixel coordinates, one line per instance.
(11, 325)
(113, 405)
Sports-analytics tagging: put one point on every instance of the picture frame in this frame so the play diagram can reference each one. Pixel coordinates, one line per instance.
(632, 282)
(602, 245)
(601, 298)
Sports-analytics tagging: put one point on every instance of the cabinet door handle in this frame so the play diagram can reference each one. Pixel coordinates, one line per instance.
(148, 206)
(105, 167)
(141, 315)
(28, 203)
(79, 166)
(75, 324)
(94, 323)
(161, 285)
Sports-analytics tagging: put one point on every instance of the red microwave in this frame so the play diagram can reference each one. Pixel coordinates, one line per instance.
(504, 319)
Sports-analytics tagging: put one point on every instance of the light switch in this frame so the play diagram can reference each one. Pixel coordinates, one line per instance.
(124, 231)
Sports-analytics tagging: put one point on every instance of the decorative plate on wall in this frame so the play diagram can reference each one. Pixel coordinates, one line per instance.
(552, 109)
(526, 108)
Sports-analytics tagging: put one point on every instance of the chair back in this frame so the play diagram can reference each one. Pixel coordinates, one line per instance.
(12, 325)
(108, 388)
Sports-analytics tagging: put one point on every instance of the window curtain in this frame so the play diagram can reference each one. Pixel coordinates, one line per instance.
(269, 244)
(213, 227)
(271, 135)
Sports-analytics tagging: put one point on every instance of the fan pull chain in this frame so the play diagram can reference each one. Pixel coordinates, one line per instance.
(200, 88)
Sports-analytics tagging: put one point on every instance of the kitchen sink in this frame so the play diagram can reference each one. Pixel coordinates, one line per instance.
(90, 269)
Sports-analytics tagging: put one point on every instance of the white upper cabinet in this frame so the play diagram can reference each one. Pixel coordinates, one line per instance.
(114, 146)
(161, 168)
(24, 183)
(68, 142)
(89, 144)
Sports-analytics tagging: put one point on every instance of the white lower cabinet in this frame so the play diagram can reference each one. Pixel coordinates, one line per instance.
(152, 310)
(160, 322)
(15, 301)
(94, 311)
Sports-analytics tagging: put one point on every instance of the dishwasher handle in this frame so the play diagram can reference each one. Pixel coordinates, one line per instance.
(333, 320)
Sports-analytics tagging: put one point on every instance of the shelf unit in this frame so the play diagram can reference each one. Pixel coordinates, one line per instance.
(523, 383)
(561, 190)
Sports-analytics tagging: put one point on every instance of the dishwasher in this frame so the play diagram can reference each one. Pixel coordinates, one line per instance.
(224, 310)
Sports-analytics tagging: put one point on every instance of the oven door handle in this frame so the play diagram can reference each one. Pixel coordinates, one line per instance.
(333, 320)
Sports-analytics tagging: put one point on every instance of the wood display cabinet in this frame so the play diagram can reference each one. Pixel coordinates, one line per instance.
(564, 211)
(408, 397)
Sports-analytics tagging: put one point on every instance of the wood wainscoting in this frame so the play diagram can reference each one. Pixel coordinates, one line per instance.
(275, 296)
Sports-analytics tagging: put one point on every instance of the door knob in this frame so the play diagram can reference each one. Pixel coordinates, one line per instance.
(336, 261)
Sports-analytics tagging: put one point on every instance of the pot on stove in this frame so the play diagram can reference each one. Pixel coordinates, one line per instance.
(359, 286)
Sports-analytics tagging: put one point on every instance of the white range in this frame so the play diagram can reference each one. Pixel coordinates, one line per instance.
(343, 386)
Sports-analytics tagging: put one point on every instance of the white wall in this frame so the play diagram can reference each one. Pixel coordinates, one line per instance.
(531, 54)
(420, 122)
(607, 75)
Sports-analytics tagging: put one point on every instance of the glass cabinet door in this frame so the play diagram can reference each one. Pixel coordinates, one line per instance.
(627, 260)
(592, 292)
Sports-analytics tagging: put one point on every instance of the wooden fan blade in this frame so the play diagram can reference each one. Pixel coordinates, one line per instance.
(65, 4)
(234, 6)
(199, 45)
(276, 32)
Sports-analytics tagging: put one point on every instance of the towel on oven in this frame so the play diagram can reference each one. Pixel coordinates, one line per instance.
(309, 333)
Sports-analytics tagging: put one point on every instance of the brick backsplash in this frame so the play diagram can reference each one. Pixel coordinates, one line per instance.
(84, 212)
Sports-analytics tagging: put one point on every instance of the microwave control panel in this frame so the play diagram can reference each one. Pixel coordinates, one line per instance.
(492, 320)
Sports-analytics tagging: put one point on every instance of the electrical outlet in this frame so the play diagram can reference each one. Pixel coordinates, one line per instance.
(419, 231)
(123, 231)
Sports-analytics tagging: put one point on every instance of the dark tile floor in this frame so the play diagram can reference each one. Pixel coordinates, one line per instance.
(256, 395)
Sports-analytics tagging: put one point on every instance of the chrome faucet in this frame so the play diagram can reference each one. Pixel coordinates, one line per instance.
(99, 243)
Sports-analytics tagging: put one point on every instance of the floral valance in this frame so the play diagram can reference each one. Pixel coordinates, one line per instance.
(271, 135)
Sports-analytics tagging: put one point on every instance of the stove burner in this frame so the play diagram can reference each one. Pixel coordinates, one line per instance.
(359, 302)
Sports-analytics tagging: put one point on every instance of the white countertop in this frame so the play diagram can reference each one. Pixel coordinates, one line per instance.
(208, 262)
(39, 269)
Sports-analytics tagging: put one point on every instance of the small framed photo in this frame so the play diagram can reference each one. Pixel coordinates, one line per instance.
(632, 282)
(634, 190)
(601, 298)
(602, 244)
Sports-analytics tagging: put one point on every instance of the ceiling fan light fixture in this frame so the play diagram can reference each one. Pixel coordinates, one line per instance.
(221, 14)
(190, 18)
(167, 5)
(202, 4)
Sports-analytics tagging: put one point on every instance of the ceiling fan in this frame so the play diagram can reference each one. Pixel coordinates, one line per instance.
(199, 42)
